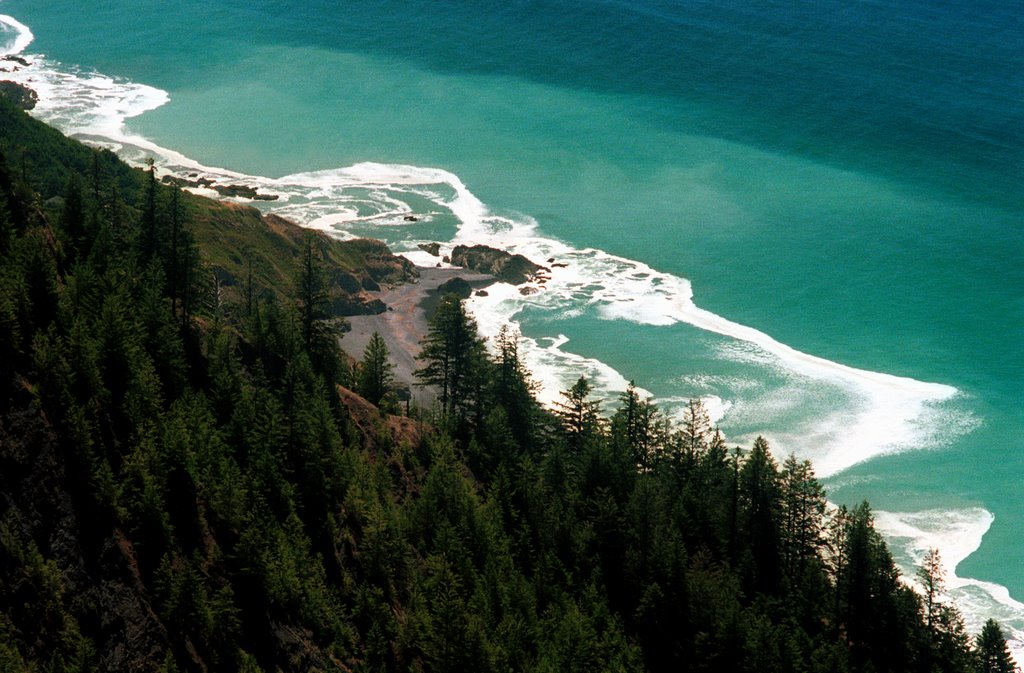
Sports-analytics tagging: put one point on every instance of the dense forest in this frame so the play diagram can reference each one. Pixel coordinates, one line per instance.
(193, 477)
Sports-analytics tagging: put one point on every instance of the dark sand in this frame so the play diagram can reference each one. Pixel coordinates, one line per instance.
(404, 324)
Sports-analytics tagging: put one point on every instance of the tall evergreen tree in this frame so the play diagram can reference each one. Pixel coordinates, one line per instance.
(149, 236)
(72, 219)
(760, 510)
(579, 413)
(931, 576)
(452, 354)
(312, 285)
(991, 652)
(513, 388)
(375, 370)
(803, 510)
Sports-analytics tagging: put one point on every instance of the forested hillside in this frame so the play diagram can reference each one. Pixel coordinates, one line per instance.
(188, 483)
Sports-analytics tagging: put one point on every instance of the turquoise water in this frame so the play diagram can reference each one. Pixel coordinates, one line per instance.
(845, 177)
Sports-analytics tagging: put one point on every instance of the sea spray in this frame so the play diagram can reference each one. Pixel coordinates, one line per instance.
(15, 37)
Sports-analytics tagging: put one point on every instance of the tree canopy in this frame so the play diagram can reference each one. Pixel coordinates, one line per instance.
(184, 487)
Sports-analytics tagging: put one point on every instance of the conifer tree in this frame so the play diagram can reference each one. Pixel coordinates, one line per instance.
(760, 505)
(579, 413)
(696, 431)
(991, 653)
(375, 370)
(513, 388)
(803, 510)
(149, 235)
(931, 576)
(312, 286)
(452, 355)
(72, 218)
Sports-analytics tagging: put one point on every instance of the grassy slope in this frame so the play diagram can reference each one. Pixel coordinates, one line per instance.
(227, 233)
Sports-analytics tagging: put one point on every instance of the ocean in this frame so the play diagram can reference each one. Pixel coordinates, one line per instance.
(809, 214)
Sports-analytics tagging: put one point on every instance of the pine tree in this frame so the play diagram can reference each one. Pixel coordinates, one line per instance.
(932, 579)
(696, 431)
(149, 237)
(803, 510)
(375, 370)
(759, 512)
(513, 388)
(990, 651)
(72, 218)
(318, 335)
(578, 413)
(453, 354)
(638, 428)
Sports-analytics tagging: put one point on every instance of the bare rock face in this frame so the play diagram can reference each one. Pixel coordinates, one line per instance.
(19, 94)
(504, 266)
(431, 248)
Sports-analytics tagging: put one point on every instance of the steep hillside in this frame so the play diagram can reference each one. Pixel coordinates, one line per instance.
(189, 483)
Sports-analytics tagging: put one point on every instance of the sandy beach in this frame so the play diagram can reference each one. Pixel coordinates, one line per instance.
(404, 324)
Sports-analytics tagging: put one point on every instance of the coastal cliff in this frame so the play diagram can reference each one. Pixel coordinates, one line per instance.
(190, 481)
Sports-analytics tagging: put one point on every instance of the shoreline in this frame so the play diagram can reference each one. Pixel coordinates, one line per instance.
(405, 323)
(402, 327)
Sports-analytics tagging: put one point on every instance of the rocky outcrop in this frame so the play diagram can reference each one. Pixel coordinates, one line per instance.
(504, 266)
(431, 248)
(193, 181)
(13, 58)
(382, 265)
(458, 286)
(243, 191)
(19, 94)
(236, 191)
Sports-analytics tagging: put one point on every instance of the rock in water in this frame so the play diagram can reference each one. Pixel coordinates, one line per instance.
(432, 248)
(504, 266)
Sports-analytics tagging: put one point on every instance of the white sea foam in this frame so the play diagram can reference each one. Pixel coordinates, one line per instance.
(883, 413)
(887, 413)
(880, 413)
(16, 36)
(956, 534)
